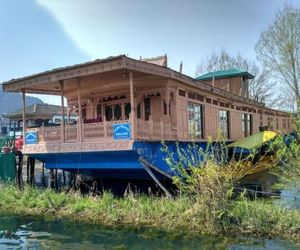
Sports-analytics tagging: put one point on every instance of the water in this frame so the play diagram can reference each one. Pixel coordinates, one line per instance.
(20, 232)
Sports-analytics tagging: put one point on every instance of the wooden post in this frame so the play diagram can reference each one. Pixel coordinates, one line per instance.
(79, 122)
(104, 120)
(43, 174)
(43, 131)
(56, 180)
(132, 106)
(150, 127)
(162, 129)
(62, 124)
(27, 168)
(24, 114)
(178, 113)
(32, 167)
(52, 178)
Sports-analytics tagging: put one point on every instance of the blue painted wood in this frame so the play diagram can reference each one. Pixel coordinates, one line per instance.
(119, 164)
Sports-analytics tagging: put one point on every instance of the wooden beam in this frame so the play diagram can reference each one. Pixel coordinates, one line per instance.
(132, 113)
(24, 114)
(79, 122)
(62, 124)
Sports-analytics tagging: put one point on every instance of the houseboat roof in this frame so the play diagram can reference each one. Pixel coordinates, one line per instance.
(37, 110)
(48, 82)
(225, 74)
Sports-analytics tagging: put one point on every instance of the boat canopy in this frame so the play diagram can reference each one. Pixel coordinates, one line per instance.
(254, 141)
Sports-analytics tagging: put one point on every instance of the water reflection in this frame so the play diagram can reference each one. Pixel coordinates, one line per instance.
(18, 232)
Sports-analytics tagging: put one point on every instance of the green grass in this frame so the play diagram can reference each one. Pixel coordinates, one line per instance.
(183, 214)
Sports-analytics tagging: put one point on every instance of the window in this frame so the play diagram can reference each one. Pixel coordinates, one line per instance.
(270, 123)
(118, 112)
(165, 108)
(195, 113)
(147, 108)
(127, 110)
(277, 123)
(99, 111)
(181, 92)
(247, 124)
(83, 110)
(108, 113)
(224, 122)
(138, 111)
(284, 123)
(191, 95)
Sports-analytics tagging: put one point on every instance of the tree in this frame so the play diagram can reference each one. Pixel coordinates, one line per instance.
(260, 88)
(278, 49)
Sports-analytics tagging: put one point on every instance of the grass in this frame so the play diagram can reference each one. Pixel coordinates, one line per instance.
(181, 214)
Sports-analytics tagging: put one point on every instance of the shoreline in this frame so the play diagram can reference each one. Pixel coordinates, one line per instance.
(258, 218)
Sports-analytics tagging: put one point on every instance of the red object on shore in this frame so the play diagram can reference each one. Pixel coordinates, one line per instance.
(19, 144)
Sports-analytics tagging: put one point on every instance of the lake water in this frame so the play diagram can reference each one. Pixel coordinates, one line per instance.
(19, 232)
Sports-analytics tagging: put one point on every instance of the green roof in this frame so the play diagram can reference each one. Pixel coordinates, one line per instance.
(224, 74)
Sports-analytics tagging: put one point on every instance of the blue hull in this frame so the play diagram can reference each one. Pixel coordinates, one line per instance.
(116, 164)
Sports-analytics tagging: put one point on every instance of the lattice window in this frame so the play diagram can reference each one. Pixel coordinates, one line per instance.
(127, 110)
(117, 112)
(109, 113)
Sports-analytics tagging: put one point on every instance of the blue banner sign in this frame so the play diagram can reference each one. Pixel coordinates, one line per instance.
(122, 131)
(31, 137)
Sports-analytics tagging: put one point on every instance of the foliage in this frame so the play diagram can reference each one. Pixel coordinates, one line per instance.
(278, 49)
(207, 177)
(287, 169)
(181, 214)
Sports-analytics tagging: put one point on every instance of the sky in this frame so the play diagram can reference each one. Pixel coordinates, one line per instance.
(38, 35)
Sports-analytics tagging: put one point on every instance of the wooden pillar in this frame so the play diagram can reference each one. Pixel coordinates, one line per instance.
(103, 119)
(62, 124)
(24, 114)
(132, 113)
(79, 122)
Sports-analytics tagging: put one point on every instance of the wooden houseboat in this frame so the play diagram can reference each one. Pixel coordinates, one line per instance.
(126, 107)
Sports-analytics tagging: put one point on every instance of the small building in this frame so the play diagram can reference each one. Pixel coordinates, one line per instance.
(235, 81)
(38, 115)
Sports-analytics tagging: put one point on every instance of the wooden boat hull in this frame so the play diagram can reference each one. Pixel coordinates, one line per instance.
(121, 164)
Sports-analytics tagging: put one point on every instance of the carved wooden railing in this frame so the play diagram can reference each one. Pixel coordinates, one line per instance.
(145, 130)
(71, 133)
(149, 130)
(90, 131)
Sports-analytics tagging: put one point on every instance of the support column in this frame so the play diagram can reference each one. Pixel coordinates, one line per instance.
(132, 113)
(103, 119)
(79, 122)
(24, 114)
(62, 124)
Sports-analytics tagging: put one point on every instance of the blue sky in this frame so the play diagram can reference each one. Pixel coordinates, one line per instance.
(37, 35)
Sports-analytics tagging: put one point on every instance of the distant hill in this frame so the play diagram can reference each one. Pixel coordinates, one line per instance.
(12, 101)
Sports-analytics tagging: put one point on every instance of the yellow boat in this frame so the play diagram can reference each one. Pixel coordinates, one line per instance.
(261, 161)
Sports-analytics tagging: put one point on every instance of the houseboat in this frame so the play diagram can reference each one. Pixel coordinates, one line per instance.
(126, 107)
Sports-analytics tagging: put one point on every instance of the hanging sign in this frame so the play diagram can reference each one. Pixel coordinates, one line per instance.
(122, 131)
(31, 137)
